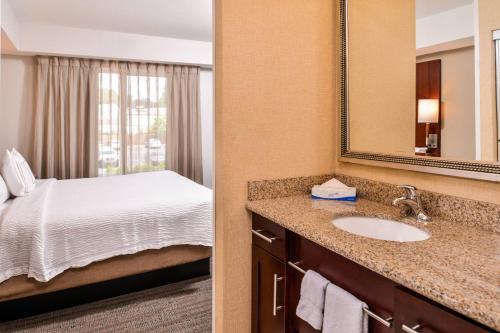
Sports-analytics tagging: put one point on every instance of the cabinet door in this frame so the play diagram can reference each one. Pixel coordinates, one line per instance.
(268, 292)
(413, 310)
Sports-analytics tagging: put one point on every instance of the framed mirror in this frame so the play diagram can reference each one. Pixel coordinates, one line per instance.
(419, 85)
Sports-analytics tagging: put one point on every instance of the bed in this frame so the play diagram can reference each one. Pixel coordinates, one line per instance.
(68, 233)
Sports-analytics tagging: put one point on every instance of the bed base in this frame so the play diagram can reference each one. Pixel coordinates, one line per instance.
(37, 304)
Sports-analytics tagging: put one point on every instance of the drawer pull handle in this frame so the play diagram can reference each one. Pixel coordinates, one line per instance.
(276, 307)
(267, 239)
(386, 322)
(296, 267)
(408, 329)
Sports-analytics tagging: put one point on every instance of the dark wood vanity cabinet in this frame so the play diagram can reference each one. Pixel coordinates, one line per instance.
(268, 276)
(372, 288)
(278, 258)
(268, 292)
(413, 309)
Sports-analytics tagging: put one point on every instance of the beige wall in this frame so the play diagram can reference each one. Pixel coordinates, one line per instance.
(274, 118)
(382, 67)
(488, 14)
(457, 89)
(16, 101)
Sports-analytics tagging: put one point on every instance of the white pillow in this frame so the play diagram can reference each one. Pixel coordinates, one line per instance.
(12, 175)
(28, 176)
(4, 191)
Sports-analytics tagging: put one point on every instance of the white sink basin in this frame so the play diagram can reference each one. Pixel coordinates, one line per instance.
(380, 229)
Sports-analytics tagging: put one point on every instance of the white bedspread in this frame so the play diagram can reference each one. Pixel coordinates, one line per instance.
(72, 223)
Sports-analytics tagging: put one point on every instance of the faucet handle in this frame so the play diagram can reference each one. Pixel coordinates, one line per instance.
(410, 190)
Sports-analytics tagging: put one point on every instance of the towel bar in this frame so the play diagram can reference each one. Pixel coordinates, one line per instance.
(410, 329)
(386, 322)
(297, 268)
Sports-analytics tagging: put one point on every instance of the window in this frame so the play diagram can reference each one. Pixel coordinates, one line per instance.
(132, 123)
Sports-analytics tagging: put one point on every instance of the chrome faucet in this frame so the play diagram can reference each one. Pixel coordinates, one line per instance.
(410, 204)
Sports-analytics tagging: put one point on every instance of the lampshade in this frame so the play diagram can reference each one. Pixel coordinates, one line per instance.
(428, 111)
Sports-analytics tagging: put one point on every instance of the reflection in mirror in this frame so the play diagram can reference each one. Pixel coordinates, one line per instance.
(422, 78)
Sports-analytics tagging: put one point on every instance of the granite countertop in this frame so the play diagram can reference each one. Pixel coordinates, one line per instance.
(458, 266)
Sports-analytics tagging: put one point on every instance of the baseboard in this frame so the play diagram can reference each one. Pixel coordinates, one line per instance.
(37, 304)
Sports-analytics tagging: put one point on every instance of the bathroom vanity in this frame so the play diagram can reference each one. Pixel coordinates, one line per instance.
(430, 286)
(445, 278)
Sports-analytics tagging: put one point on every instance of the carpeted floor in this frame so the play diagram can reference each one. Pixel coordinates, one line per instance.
(183, 307)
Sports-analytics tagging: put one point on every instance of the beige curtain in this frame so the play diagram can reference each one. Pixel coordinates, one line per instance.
(65, 132)
(184, 122)
(98, 118)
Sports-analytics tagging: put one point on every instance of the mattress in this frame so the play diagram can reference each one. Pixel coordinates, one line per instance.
(66, 224)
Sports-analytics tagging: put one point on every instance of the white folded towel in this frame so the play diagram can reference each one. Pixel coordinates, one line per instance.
(343, 312)
(312, 299)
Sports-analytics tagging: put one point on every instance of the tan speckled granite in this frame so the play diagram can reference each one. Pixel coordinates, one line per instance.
(459, 266)
(454, 209)
(269, 189)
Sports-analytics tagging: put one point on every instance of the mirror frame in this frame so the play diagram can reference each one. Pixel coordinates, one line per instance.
(449, 167)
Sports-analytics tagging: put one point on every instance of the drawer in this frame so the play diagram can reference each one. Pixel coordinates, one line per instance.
(415, 310)
(269, 236)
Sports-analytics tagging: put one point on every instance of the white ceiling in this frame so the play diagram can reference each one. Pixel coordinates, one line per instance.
(430, 7)
(185, 19)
